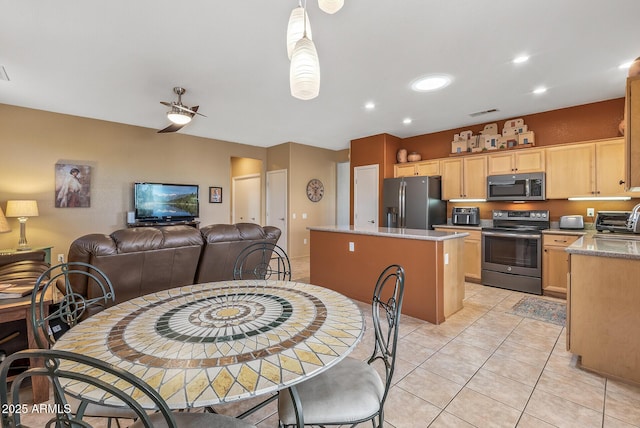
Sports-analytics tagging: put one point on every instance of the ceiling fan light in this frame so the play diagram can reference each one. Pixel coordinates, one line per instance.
(179, 117)
(330, 6)
(304, 73)
(296, 28)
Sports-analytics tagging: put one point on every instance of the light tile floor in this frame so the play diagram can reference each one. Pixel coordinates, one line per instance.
(486, 367)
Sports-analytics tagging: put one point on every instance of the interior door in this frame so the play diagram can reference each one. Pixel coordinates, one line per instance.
(277, 203)
(365, 196)
(246, 199)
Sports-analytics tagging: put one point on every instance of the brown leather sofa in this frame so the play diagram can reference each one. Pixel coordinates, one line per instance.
(142, 260)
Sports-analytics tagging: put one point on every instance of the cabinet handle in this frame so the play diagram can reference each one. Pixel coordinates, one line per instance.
(621, 182)
(559, 240)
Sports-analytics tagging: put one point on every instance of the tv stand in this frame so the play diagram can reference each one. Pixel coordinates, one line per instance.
(162, 223)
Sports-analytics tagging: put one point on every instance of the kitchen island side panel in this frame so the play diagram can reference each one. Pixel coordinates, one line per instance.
(354, 273)
(603, 317)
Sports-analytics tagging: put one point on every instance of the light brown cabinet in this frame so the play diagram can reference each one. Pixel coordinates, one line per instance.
(632, 134)
(587, 169)
(520, 161)
(555, 264)
(464, 178)
(425, 168)
(472, 252)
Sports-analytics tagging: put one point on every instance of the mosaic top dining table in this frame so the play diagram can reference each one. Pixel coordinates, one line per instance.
(212, 343)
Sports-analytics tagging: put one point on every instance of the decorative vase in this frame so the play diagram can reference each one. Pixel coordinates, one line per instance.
(402, 155)
(414, 157)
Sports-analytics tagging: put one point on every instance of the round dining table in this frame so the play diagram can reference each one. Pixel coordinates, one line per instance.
(212, 343)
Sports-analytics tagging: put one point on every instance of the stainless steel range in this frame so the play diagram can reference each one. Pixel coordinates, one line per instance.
(512, 250)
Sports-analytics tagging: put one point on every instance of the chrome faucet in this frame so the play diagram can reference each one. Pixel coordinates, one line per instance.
(634, 220)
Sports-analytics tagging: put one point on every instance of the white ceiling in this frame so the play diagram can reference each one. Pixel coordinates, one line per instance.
(115, 60)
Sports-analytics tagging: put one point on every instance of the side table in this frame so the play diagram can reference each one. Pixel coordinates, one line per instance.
(20, 309)
(47, 251)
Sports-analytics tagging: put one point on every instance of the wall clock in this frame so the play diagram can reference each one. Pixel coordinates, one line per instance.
(315, 190)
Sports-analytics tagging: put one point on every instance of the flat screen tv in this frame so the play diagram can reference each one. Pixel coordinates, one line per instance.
(165, 202)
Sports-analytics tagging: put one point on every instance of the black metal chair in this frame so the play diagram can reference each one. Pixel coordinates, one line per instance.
(66, 313)
(352, 392)
(127, 389)
(73, 307)
(262, 260)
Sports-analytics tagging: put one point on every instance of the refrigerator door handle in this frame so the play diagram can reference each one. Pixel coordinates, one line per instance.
(402, 208)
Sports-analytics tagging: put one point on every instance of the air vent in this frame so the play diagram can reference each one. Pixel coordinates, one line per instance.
(3, 74)
(480, 113)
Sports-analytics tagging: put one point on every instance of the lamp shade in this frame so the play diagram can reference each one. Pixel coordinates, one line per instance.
(22, 209)
(304, 74)
(179, 117)
(330, 6)
(4, 224)
(297, 28)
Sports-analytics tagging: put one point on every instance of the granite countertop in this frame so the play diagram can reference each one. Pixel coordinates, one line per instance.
(558, 231)
(452, 226)
(393, 232)
(607, 245)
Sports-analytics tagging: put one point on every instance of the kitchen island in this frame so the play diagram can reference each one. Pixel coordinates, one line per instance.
(349, 260)
(603, 320)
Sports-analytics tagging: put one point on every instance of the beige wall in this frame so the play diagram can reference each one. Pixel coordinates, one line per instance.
(33, 141)
(304, 163)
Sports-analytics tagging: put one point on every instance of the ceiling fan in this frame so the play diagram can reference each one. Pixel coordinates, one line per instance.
(179, 114)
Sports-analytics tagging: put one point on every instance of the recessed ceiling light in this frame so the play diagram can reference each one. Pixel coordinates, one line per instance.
(407, 121)
(430, 82)
(370, 105)
(520, 59)
(540, 90)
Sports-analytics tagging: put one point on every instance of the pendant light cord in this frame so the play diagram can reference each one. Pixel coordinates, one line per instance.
(304, 19)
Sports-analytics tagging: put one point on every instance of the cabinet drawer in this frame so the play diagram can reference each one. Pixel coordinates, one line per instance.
(553, 240)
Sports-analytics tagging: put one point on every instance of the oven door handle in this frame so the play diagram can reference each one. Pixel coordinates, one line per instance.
(513, 235)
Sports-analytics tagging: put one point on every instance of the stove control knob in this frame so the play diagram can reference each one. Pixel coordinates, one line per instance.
(538, 215)
(544, 215)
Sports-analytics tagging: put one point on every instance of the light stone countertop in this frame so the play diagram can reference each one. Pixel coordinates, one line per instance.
(393, 232)
(557, 231)
(607, 245)
(453, 226)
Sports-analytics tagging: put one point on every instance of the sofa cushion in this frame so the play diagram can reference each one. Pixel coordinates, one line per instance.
(222, 245)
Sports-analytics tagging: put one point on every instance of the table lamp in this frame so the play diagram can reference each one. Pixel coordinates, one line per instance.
(23, 210)
(4, 225)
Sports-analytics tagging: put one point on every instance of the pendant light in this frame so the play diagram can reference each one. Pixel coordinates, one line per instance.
(330, 6)
(298, 21)
(304, 73)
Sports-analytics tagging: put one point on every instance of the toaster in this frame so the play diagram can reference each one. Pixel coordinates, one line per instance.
(571, 222)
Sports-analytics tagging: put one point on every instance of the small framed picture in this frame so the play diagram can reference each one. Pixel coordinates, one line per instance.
(215, 195)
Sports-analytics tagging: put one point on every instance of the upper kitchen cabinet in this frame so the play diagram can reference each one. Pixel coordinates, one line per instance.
(424, 168)
(464, 177)
(516, 161)
(588, 169)
(632, 133)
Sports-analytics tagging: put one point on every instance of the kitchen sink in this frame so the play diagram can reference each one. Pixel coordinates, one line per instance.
(622, 236)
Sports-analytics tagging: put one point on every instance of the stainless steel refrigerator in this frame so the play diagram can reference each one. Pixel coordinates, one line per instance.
(413, 202)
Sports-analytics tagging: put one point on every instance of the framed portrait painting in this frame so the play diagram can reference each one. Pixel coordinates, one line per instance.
(215, 195)
(73, 186)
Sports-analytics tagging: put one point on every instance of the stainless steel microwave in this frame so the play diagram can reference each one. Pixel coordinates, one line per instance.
(516, 187)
